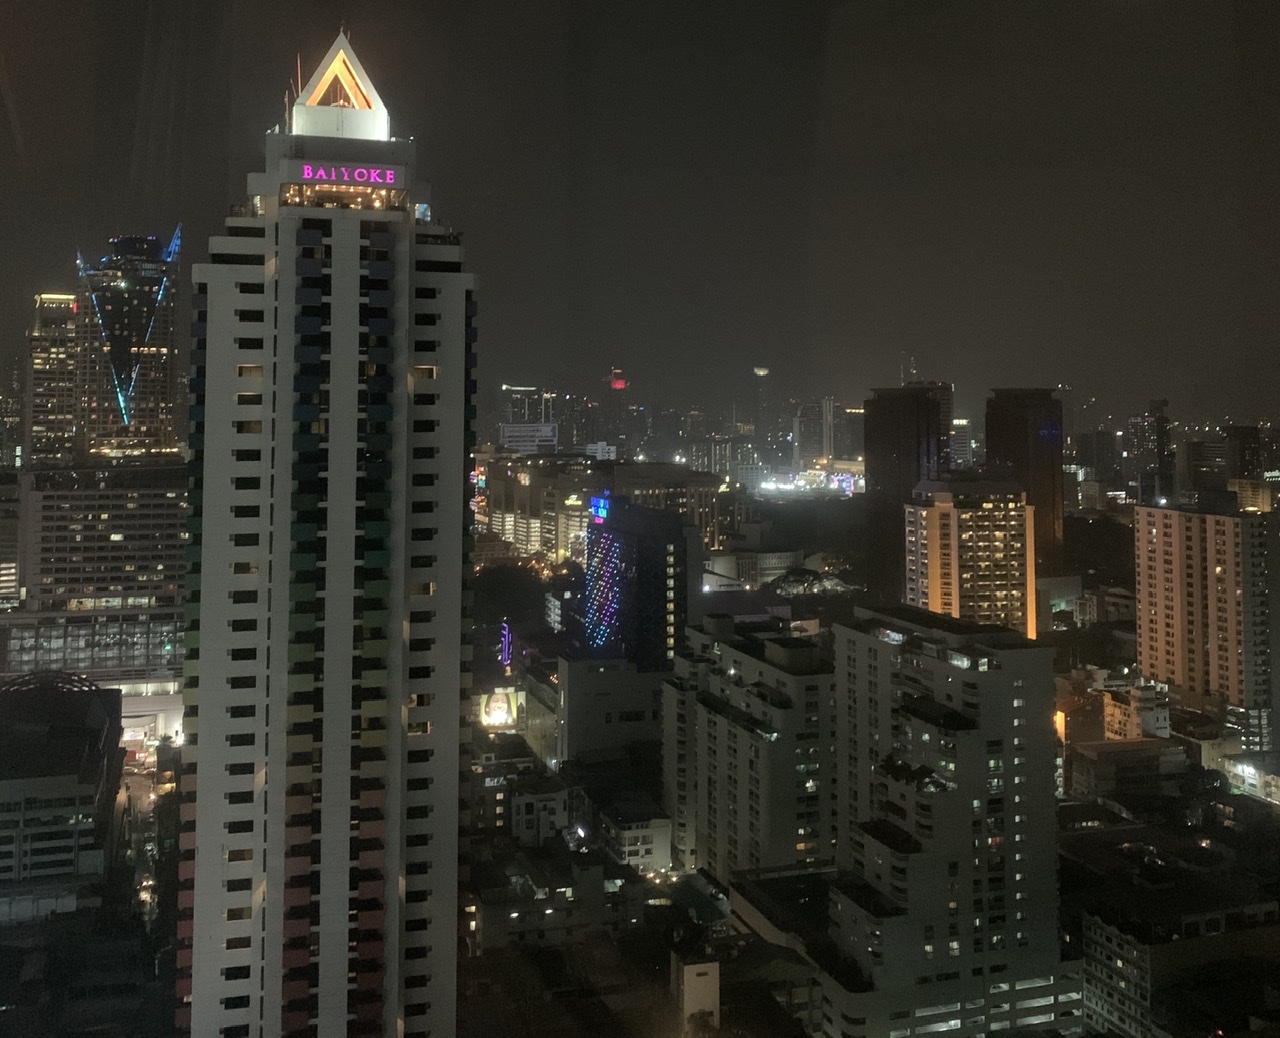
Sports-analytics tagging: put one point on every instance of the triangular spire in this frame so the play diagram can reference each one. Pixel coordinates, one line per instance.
(356, 111)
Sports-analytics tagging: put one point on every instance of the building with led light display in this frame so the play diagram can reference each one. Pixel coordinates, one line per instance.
(643, 574)
(607, 576)
(325, 678)
(101, 375)
(126, 306)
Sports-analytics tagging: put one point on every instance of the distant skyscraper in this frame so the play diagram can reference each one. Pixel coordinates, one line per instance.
(970, 552)
(1207, 592)
(333, 381)
(1150, 461)
(848, 439)
(1244, 452)
(905, 443)
(523, 405)
(126, 303)
(810, 435)
(765, 416)
(961, 444)
(1098, 453)
(52, 394)
(101, 375)
(1024, 445)
(945, 394)
(1201, 465)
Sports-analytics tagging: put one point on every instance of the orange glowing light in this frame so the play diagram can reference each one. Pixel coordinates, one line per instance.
(341, 70)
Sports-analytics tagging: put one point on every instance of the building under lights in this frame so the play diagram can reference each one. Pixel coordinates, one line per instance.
(318, 872)
(747, 765)
(970, 552)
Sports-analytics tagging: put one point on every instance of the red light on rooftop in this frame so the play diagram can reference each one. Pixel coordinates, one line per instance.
(618, 383)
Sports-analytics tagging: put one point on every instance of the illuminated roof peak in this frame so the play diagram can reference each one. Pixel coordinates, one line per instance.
(339, 100)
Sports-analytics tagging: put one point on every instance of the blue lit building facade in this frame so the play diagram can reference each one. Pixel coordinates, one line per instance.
(130, 384)
(643, 572)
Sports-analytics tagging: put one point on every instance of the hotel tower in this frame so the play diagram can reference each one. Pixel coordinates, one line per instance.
(327, 626)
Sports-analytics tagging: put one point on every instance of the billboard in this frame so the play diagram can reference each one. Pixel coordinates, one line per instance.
(501, 708)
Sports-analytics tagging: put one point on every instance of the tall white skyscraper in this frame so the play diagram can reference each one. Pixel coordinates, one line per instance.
(326, 653)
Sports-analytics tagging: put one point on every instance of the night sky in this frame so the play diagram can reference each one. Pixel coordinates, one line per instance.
(1015, 193)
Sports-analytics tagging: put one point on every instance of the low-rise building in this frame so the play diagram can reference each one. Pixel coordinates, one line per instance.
(579, 706)
(634, 832)
(1257, 774)
(1138, 712)
(550, 897)
(1126, 767)
(1166, 926)
(60, 769)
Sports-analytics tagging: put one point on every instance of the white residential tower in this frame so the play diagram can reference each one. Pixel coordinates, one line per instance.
(327, 624)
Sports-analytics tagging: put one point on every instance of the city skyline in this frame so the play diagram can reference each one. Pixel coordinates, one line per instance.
(853, 616)
(1008, 197)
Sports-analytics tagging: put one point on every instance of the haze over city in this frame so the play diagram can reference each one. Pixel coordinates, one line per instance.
(1010, 193)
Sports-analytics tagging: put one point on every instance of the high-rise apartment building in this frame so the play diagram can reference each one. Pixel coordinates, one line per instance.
(747, 764)
(905, 443)
(325, 657)
(946, 918)
(970, 552)
(1207, 586)
(1024, 446)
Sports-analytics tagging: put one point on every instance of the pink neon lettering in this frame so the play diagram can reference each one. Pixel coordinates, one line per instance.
(360, 174)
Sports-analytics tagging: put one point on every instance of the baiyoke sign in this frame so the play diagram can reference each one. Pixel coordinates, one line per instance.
(318, 172)
(351, 174)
